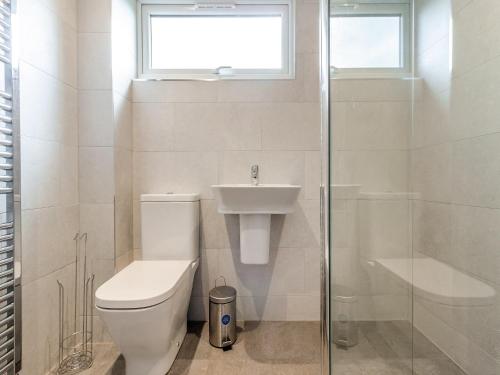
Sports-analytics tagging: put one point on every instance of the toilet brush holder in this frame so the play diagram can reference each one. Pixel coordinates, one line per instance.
(76, 348)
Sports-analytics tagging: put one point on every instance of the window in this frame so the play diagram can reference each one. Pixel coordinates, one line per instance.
(370, 38)
(208, 40)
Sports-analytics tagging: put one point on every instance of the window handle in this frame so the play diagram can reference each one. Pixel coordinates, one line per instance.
(224, 71)
(214, 5)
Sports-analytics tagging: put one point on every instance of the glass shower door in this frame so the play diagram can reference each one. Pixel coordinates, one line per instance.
(370, 208)
(411, 138)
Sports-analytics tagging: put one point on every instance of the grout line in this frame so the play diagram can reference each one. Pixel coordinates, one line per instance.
(453, 141)
(455, 204)
(50, 75)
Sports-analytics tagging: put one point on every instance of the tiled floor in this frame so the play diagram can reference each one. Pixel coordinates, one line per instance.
(387, 348)
(262, 348)
(293, 348)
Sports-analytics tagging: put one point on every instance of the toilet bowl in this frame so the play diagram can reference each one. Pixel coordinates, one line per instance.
(145, 305)
(145, 308)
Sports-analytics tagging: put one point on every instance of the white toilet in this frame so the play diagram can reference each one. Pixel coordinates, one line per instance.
(145, 305)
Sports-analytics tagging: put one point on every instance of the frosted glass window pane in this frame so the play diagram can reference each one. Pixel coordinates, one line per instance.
(207, 42)
(366, 42)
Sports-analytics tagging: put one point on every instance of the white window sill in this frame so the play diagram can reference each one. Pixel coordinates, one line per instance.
(213, 77)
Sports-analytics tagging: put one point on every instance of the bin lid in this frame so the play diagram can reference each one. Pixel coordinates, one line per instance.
(222, 294)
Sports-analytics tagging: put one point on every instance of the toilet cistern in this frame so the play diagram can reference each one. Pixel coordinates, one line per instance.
(254, 173)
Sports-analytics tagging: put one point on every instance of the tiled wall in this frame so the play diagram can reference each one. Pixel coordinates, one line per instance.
(371, 123)
(106, 67)
(123, 71)
(455, 164)
(49, 164)
(96, 141)
(190, 135)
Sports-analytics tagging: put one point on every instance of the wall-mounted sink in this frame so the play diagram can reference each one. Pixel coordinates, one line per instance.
(255, 204)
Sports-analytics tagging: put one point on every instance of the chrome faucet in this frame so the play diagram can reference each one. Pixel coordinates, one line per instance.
(254, 172)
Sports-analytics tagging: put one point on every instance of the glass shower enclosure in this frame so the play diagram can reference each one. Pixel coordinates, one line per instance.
(411, 186)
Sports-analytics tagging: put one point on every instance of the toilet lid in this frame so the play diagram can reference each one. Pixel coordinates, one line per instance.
(142, 284)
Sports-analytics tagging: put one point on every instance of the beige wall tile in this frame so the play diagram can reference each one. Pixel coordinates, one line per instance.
(475, 39)
(68, 175)
(375, 171)
(175, 171)
(298, 229)
(153, 127)
(312, 271)
(262, 308)
(260, 91)
(95, 119)
(123, 174)
(303, 308)
(398, 90)
(307, 27)
(208, 271)
(435, 66)
(40, 173)
(212, 226)
(124, 35)
(383, 228)
(475, 179)
(291, 127)
(47, 240)
(432, 229)
(64, 9)
(373, 126)
(431, 119)
(123, 122)
(174, 91)
(94, 16)
(431, 172)
(47, 42)
(94, 65)
(431, 24)
(474, 241)
(123, 261)
(98, 220)
(473, 102)
(234, 166)
(40, 304)
(313, 175)
(308, 66)
(212, 127)
(96, 174)
(123, 227)
(53, 111)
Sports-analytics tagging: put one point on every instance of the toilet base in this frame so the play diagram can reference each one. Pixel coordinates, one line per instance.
(161, 365)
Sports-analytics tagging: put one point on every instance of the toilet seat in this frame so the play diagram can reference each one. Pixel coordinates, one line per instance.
(142, 284)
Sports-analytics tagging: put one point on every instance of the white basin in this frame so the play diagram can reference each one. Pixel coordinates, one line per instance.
(255, 205)
(260, 199)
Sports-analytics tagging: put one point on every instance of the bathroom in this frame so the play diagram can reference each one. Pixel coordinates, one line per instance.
(332, 162)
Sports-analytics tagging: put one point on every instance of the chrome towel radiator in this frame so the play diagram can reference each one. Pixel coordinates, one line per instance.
(7, 274)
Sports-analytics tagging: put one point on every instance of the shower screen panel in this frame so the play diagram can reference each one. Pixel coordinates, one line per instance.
(412, 200)
(370, 106)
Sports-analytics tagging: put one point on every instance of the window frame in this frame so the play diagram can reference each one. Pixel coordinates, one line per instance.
(147, 8)
(383, 8)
